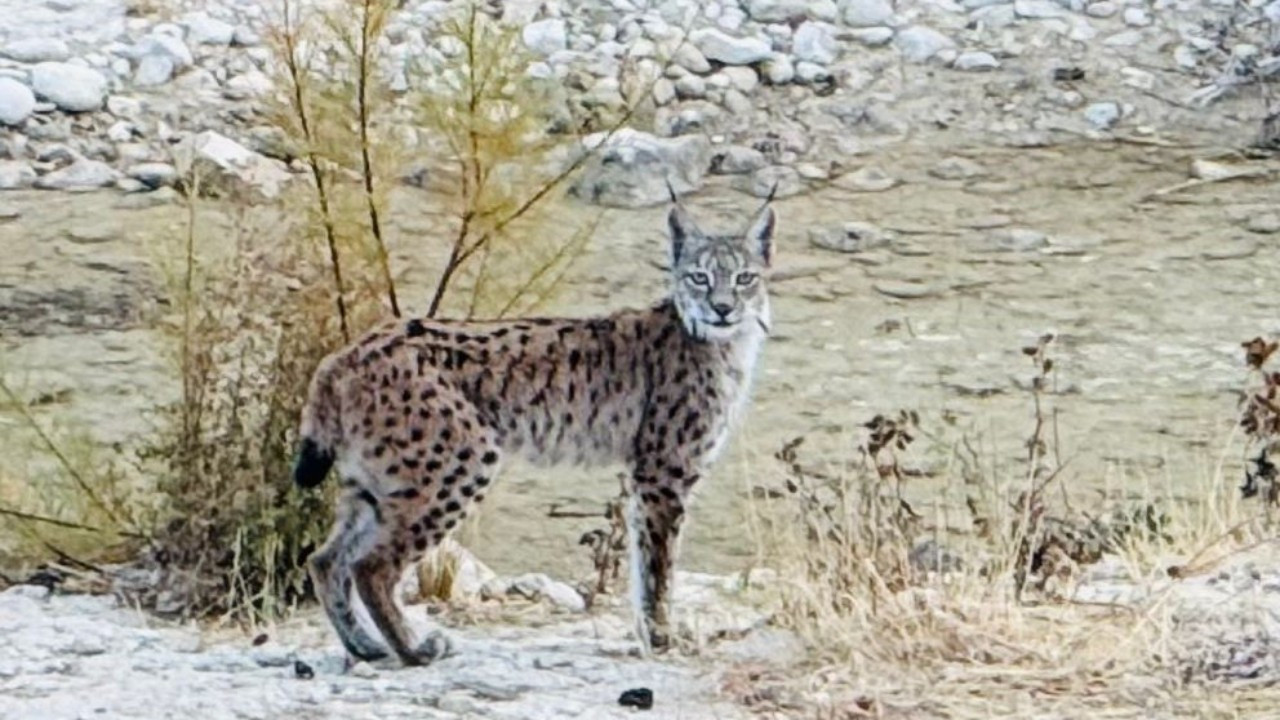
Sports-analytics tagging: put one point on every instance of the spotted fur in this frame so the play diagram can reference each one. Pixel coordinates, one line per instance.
(418, 415)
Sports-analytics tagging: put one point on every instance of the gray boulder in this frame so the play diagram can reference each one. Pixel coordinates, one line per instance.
(633, 168)
(71, 87)
(17, 102)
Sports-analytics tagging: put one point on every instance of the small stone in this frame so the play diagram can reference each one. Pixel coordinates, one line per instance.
(779, 70)
(639, 698)
(691, 59)
(246, 37)
(808, 73)
(777, 180)
(872, 37)
(1263, 223)
(70, 87)
(16, 175)
(781, 11)
(691, 87)
(744, 79)
(919, 43)
(850, 237)
(154, 175)
(545, 37)
(303, 671)
(736, 160)
(153, 70)
(730, 50)
(812, 171)
(17, 102)
(81, 175)
(866, 179)
(816, 43)
(866, 13)
(1136, 17)
(1103, 9)
(125, 107)
(1018, 240)
(205, 30)
(165, 45)
(35, 50)
(664, 91)
(957, 168)
(1103, 115)
(227, 164)
(363, 670)
(737, 103)
(1037, 9)
(975, 61)
(253, 83)
(902, 290)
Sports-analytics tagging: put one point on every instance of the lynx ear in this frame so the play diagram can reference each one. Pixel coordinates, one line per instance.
(760, 234)
(680, 226)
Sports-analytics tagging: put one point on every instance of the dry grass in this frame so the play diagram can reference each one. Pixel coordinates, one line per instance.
(981, 604)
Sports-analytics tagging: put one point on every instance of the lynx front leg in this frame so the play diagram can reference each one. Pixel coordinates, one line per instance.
(654, 517)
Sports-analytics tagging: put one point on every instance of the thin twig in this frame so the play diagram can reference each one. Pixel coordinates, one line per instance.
(45, 520)
(375, 223)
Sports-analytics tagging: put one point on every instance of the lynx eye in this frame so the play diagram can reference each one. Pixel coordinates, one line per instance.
(699, 278)
(747, 278)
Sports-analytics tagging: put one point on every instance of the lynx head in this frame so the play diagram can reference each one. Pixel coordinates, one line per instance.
(719, 289)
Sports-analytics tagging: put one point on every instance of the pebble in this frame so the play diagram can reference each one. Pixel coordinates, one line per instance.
(975, 61)
(36, 50)
(850, 237)
(904, 290)
(545, 37)
(1103, 115)
(867, 13)
(866, 179)
(17, 102)
(70, 87)
(1017, 240)
(872, 37)
(779, 70)
(1263, 223)
(816, 43)
(957, 168)
(736, 160)
(919, 43)
(16, 174)
(730, 50)
(81, 175)
(779, 180)
(205, 30)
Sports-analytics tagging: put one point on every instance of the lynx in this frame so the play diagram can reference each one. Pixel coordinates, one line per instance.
(418, 415)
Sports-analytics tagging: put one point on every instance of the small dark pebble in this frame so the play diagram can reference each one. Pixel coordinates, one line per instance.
(1068, 74)
(302, 671)
(641, 698)
(260, 640)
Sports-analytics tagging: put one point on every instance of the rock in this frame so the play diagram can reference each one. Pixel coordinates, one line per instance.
(691, 87)
(743, 79)
(1103, 115)
(919, 43)
(779, 180)
(781, 11)
(545, 37)
(165, 45)
(153, 70)
(1263, 223)
(632, 170)
(866, 179)
(664, 91)
(736, 160)
(903, 290)
(957, 168)
(850, 237)
(866, 13)
(975, 61)
(728, 49)
(808, 73)
(205, 30)
(872, 37)
(1103, 9)
(536, 586)
(246, 37)
(1017, 240)
(70, 87)
(17, 102)
(779, 70)
(1136, 17)
(816, 43)
(36, 50)
(81, 175)
(225, 165)
(16, 174)
(1037, 9)
(123, 106)
(691, 59)
(253, 83)
(154, 175)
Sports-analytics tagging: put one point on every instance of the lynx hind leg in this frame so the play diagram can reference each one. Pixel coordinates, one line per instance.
(331, 574)
(430, 471)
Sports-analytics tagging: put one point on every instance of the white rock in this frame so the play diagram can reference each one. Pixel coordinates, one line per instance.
(154, 175)
(545, 37)
(539, 587)
(1186, 57)
(121, 131)
(70, 87)
(16, 174)
(1103, 115)
(957, 168)
(246, 37)
(691, 87)
(1136, 17)
(1103, 9)
(779, 70)
(1127, 38)
(744, 79)
(1037, 9)
(815, 43)
(850, 237)
(731, 18)
(153, 69)
(919, 43)
(691, 59)
(975, 61)
(227, 162)
(808, 73)
(36, 49)
(664, 91)
(632, 170)
(730, 50)
(123, 106)
(779, 180)
(167, 45)
(83, 174)
(17, 102)
(780, 11)
(873, 36)
(866, 13)
(205, 30)
(737, 102)
(253, 83)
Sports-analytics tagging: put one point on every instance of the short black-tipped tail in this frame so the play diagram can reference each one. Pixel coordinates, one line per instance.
(313, 464)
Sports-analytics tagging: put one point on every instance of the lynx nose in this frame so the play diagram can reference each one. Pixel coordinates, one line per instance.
(722, 309)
